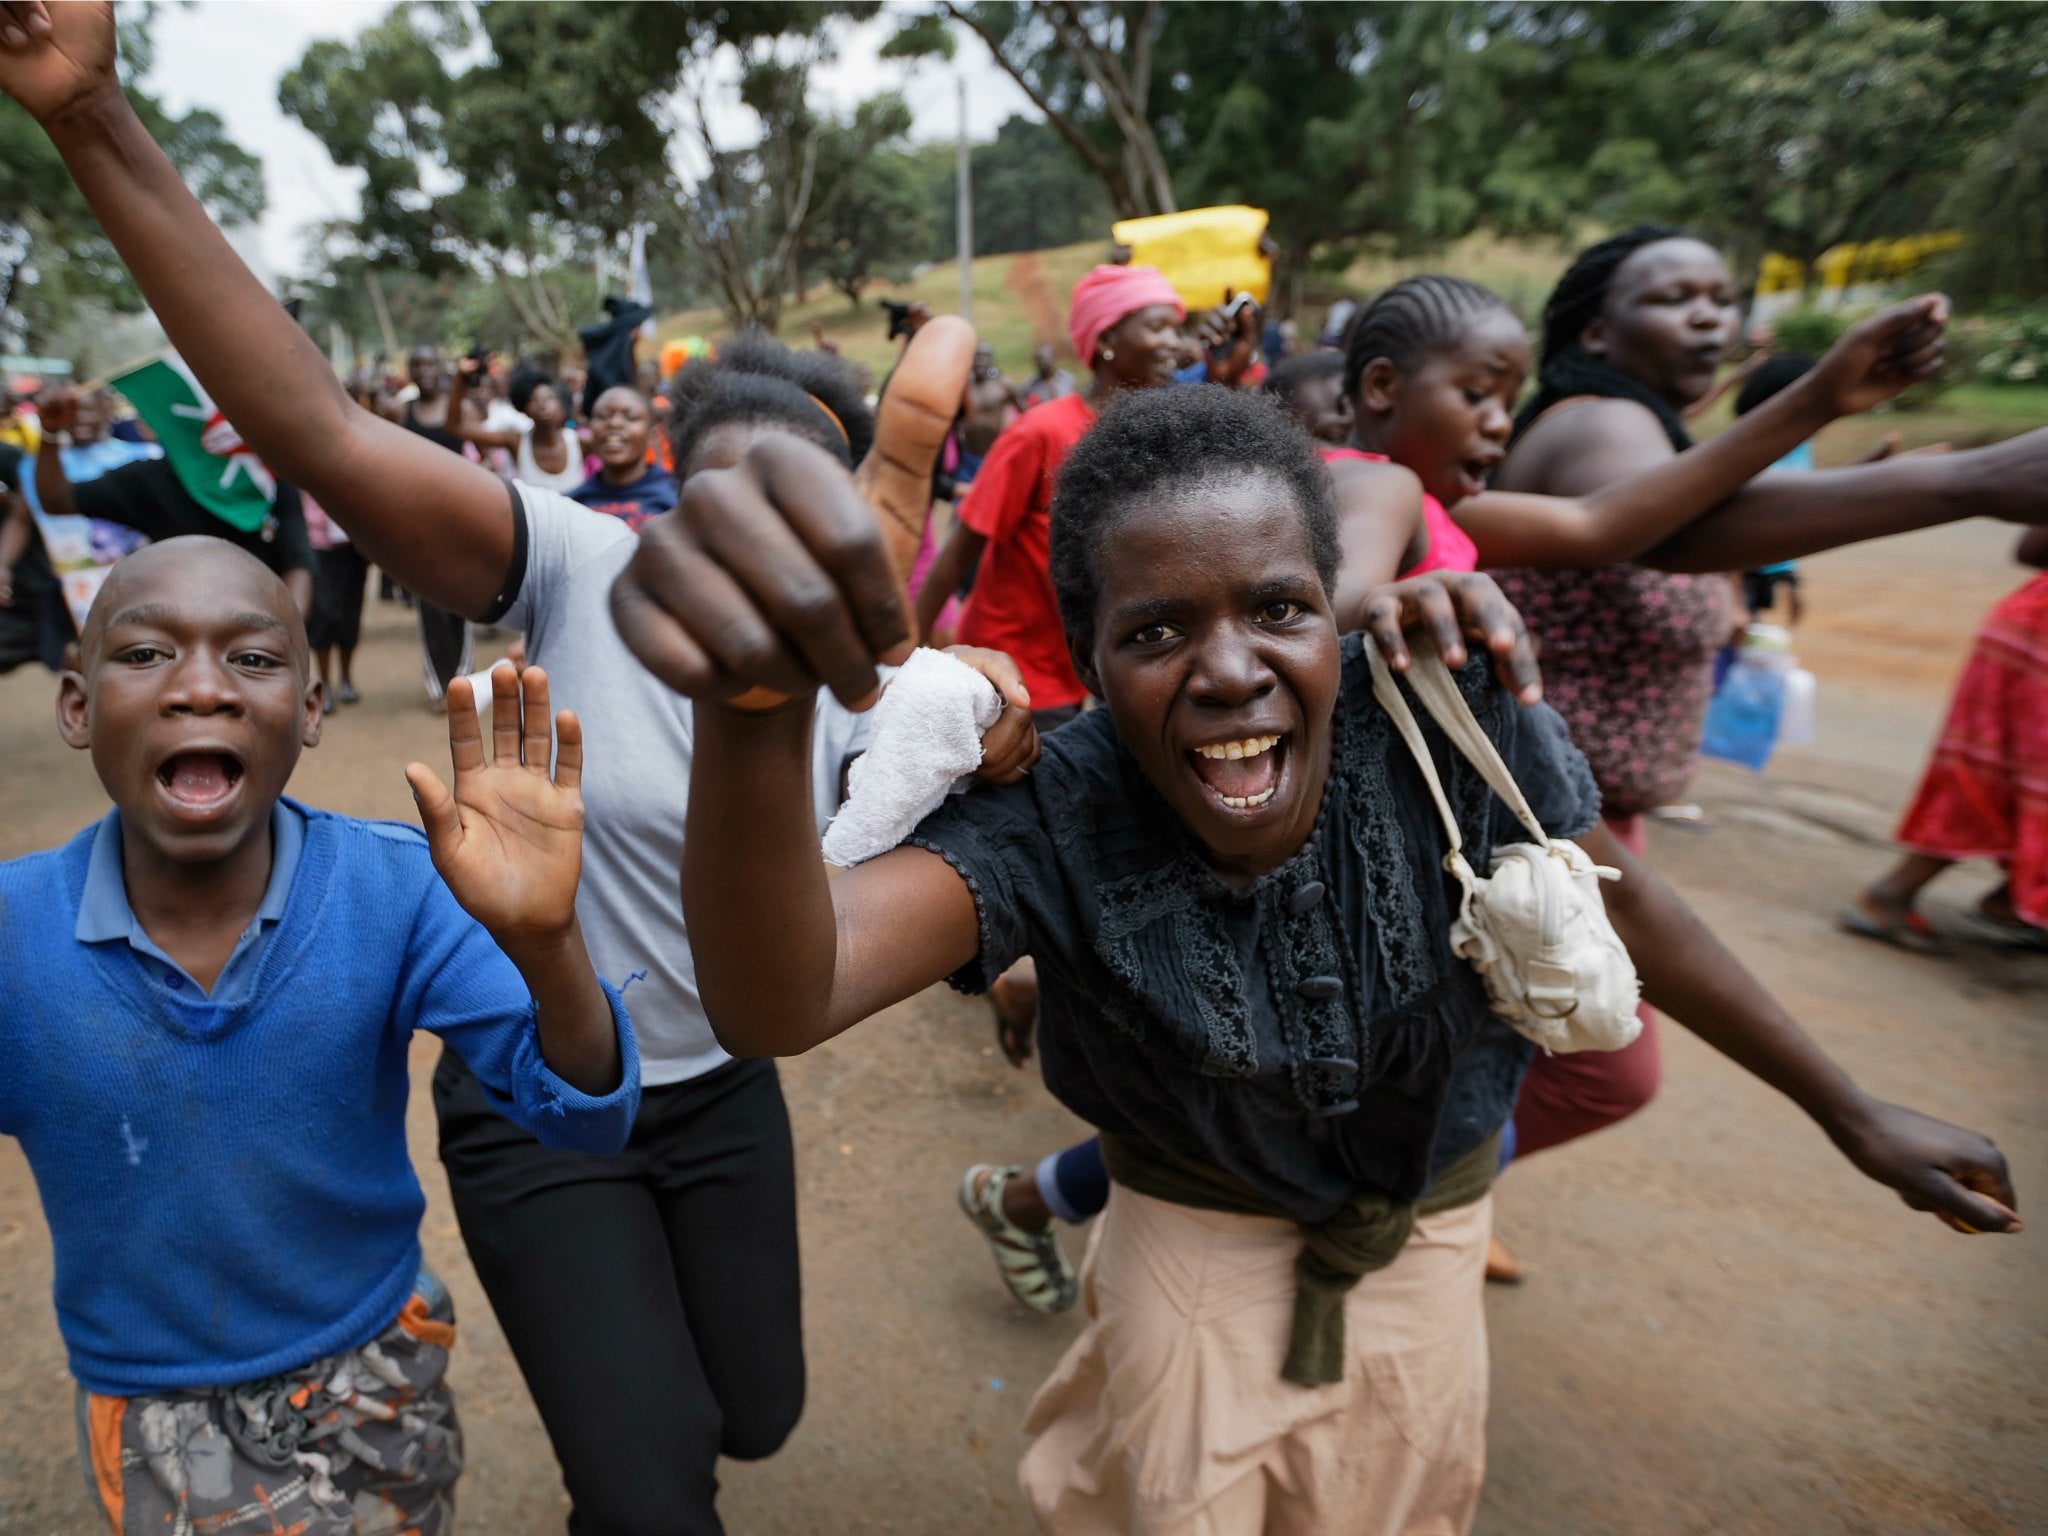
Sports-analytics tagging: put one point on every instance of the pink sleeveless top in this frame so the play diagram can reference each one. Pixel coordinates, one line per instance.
(1450, 547)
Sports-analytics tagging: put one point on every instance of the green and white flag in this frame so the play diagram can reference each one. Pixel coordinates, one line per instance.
(208, 455)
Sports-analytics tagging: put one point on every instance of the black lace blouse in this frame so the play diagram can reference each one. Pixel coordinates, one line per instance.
(1311, 1034)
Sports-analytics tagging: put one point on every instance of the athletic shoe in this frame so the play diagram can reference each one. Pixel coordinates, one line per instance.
(1032, 1265)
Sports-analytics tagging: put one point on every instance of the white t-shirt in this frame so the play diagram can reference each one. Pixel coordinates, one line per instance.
(636, 776)
(527, 470)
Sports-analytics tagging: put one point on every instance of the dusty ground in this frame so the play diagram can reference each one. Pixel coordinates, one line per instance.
(1727, 1330)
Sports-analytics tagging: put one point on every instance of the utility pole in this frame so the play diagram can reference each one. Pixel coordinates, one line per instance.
(965, 218)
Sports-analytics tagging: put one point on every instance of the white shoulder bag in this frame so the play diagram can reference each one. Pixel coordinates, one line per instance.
(1536, 929)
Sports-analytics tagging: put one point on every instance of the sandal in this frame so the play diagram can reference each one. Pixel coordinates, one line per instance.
(2009, 932)
(1910, 931)
(1032, 1265)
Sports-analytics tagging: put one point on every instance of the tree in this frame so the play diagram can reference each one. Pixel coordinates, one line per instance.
(1343, 121)
(878, 226)
(751, 213)
(2000, 203)
(1029, 193)
(1791, 127)
(54, 260)
(552, 144)
(1087, 66)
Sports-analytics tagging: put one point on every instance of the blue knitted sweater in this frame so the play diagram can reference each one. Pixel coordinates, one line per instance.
(227, 1185)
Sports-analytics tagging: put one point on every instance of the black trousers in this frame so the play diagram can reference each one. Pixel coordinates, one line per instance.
(652, 1298)
(444, 647)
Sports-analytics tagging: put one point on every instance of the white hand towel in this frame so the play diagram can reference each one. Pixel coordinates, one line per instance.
(927, 738)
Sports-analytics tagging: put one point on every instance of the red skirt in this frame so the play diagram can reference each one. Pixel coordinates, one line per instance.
(1985, 794)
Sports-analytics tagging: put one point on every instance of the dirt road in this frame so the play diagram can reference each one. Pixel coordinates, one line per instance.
(1726, 1330)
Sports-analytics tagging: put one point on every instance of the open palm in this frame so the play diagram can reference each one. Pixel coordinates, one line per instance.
(53, 57)
(509, 838)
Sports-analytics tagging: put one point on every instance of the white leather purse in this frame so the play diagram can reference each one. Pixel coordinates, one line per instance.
(1535, 929)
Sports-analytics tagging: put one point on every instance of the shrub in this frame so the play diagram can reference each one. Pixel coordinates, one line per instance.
(2014, 349)
(1811, 331)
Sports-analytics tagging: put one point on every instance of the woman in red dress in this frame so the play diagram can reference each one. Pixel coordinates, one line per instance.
(1985, 793)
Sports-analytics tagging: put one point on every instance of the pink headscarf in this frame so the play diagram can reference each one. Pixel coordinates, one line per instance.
(1106, 295)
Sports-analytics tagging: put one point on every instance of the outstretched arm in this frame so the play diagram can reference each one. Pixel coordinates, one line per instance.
(1648, 499)
(439, 524)
(1786, 516)
(1380, 522)
(845, 948)
(1685, 970)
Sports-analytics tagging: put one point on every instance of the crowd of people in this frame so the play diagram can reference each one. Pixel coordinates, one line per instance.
(1201, 868)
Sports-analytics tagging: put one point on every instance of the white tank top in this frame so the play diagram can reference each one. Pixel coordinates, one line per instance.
(529, 472)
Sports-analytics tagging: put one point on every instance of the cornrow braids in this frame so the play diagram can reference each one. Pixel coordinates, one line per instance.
(757, 381)
(1413, 318)
(1567, 368)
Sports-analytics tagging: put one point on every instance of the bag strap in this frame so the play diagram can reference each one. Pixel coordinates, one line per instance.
(1439, 693)
(1389, 695)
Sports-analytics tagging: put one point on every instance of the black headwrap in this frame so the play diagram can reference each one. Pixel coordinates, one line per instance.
(1567, 368)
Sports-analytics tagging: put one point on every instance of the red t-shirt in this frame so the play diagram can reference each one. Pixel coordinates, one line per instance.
(1011, 607)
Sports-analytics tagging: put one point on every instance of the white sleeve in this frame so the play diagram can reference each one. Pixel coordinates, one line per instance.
(559, 535)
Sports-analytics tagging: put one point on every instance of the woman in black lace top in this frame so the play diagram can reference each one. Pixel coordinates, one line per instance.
(1229, 876)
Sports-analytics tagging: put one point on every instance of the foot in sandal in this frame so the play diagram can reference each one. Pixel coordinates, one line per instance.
(1870, 918)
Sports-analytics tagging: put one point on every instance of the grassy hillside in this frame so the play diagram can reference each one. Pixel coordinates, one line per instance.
(1021, 300)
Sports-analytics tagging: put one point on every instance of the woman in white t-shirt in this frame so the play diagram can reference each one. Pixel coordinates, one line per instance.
(546, 453)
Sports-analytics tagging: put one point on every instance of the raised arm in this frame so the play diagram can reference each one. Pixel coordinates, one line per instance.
(16, 529)
(53, 486)
(460, 424)
(1648, 497)
(439, 524)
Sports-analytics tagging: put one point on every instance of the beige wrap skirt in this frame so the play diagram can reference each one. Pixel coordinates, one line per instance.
(1168, 1416)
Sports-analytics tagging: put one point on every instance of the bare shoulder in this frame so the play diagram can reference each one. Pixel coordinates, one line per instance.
(1378, 479)
(1580, 445)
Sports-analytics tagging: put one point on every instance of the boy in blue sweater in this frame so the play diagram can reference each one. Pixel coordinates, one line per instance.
(205, 1006)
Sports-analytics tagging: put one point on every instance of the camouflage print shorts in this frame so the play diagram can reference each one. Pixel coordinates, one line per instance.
(361, 1444)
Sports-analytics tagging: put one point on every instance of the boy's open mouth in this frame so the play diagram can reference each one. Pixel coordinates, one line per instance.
(199, 781)
(1242, 774)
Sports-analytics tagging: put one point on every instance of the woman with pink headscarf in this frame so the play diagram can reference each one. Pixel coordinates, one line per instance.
(1125, 325)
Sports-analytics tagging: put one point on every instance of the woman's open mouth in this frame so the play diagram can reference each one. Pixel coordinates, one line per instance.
(199, 783)
(1243, 774)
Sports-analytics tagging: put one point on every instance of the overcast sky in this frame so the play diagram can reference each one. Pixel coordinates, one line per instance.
(228, 55)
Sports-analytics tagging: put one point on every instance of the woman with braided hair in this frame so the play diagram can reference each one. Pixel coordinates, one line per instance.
(1633, 335)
